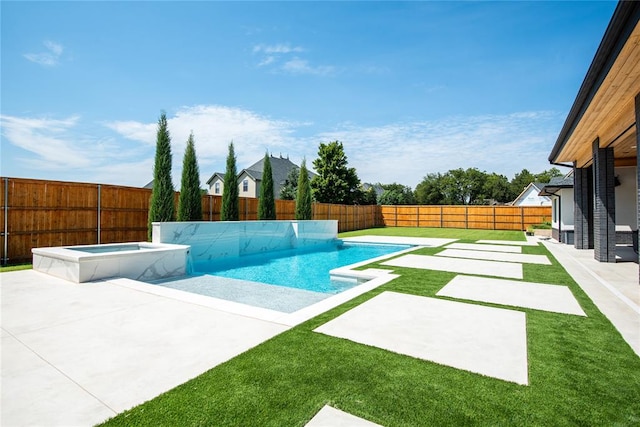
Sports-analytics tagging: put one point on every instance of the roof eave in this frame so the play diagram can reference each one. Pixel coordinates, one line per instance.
(623, 21)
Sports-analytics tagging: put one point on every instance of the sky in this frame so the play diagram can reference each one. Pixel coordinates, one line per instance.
(409, 88)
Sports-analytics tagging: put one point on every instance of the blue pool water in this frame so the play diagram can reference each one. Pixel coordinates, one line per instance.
(308, 270)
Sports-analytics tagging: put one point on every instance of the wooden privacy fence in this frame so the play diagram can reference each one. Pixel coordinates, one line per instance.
(477, 217)
(37, 213)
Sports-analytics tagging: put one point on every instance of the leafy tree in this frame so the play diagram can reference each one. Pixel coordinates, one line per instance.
(548, 174)
(161, 208)
(519, 182)
(266, 203)
(290, 187)
(397, 194)
(304, 209)
(230, 196)
(335, 182)
(370, 197)
(429, 190)
(496, 187)
(190, 201)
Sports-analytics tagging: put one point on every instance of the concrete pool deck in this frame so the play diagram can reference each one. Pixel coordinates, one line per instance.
(79, 354)
(67, 349)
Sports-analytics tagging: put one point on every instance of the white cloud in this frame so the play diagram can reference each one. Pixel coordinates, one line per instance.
(277, 49)
(50, 58)
(404, 152)
(67, 149)
(279, 58)
(301, 66)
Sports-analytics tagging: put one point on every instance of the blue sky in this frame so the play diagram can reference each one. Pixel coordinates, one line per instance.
(409, 88)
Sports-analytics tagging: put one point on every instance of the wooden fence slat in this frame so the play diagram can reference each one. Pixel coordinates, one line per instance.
(38, 213)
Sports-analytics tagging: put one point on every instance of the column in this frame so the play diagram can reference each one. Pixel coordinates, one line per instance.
(638, 172)
(604, 213)
(583, 207)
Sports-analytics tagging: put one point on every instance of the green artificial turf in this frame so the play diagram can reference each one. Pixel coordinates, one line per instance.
(15, 268)
(448, 233)
(581, 371)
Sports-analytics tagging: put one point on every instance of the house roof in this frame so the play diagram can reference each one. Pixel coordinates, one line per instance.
(604, 108)
(556, 184)
(535, 186)
(216, 174)
(280, 169)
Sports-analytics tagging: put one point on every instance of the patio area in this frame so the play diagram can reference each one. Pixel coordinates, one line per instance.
(79, 354)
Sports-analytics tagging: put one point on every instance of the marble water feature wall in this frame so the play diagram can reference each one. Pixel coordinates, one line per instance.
(137, 261)
(225, 239)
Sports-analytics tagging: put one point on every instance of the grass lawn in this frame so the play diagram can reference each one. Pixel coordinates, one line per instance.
(15, 267)
(581, 371)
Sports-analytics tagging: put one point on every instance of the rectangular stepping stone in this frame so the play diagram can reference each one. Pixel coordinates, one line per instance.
(495, 256)
(455, 265)
(538, 296)
(328, 416)
(482, 247)
(399, 240)
(508, 242)
(484, 340)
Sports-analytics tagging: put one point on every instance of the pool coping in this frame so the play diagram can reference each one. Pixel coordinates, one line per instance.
(373, 278)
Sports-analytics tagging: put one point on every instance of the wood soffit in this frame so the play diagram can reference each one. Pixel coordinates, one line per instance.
(610, 116)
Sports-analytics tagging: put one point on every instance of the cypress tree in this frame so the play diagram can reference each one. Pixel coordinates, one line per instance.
(303, 198)
(190, 201)
(161, 208)
(266, 203)
(229, 211)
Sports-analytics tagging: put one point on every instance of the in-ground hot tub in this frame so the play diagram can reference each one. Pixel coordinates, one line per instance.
(138, 261)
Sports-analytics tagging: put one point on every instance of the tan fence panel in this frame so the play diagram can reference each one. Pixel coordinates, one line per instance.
(476, 217)
(124, 212)
(285, 209)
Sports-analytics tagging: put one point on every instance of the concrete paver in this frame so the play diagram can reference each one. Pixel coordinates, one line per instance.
(486, 247)
(332, 417)
(554, 298)
(495, 256)
(399, 240)
(613, 287)
(468, 266)
(529, 242)
(485, 340)
(100, 348)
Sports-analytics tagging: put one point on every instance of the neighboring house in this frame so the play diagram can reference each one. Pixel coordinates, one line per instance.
(600, 138)
(560, 190)
(249, 179)
(530, 196)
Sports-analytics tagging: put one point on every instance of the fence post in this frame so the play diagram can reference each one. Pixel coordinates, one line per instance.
(396, 215)
(521, 218)
(494, 217)
(99, 210)
(418, 216)
(5, 258)
(466, 217)
(441, 221)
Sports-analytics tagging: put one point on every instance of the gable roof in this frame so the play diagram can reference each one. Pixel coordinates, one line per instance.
(216, 174)
(533, 186)
(280, 169)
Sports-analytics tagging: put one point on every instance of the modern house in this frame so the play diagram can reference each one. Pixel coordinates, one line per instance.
(530, 196)
(560, 190)
(600, 137)
(249, 179)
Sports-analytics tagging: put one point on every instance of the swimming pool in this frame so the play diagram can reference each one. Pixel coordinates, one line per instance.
(301, 269)
(284, 281)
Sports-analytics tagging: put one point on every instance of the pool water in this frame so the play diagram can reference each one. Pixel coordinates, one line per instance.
(308, 270)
